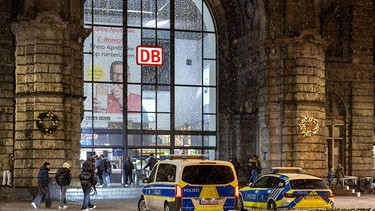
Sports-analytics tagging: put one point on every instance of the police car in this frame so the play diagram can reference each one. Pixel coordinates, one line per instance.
(286, 188)
(190, 183)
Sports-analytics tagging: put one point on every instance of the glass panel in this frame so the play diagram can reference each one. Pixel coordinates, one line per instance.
(134, 40)
(105, 12)
(133, 154)
(163, 73)
(163, 99)
(87, 121)
(134, 13)
(208, 24)
(209, 122)
(209, 141)
(188, 140)
(86, 138)
(188, 108)
(149, 121)
(134, 98)
(134, 121)
(149, 13)
(210, 154)
(188, 15)
(134, 140)
(209, 72)
(108, 140)
(149, 140)
(189, 151)
(209, 100)
(188, 64)
(87, 103)
(164, 140)
(163, 13)
(89, 70)
(87, 12)
(209, 43)
(163, 121)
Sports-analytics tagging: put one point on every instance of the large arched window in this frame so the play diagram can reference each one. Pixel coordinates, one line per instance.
(134, 110)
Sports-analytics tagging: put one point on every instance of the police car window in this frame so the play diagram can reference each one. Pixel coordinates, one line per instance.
(166, 173)
(275, 182)
(207, 174)
(260, 183)
(308, 184)
(151, 178)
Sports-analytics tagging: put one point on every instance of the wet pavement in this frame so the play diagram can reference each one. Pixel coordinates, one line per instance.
(341, 202)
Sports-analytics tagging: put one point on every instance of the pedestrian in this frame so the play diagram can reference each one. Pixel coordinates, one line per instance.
(88, 181)
(331, 174)
(107, 172)
(100, 169)
(63, 178)
(340, 175)
(128, 169)
(151, 162)
(236, 164)
(7, 166)
(254, 168)
(43, 189)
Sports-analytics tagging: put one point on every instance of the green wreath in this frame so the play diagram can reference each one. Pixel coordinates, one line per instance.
(42, 127)
(303, 129)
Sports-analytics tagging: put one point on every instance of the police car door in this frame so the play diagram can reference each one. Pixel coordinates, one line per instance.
(150, 189)
(258, 191)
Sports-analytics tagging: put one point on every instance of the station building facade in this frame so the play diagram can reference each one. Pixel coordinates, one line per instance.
(290, 81)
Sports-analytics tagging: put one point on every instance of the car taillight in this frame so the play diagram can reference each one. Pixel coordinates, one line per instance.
(236, 192)
(178, 191)
(287, 195)
(330, 195)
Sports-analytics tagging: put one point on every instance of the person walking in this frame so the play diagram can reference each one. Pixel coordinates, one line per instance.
(88, 180)
(254, 168)
(340, 175)
(63, 178)
(43, 189)
(128, 169)
(100, 169)
(151, 162)
(7, 164)
(107, 172)
(331, 174)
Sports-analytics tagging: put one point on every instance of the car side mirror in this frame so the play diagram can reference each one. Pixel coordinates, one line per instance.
(251, 184)
(145, 180)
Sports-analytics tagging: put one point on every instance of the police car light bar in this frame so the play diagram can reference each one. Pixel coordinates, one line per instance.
(276, 170)
(185, 157)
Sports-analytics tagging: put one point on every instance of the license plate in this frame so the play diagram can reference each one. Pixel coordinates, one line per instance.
(209, 202)
(312, 197)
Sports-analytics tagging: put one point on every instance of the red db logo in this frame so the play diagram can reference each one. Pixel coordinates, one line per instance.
(150, 55)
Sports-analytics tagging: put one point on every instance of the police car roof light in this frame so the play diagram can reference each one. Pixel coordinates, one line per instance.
(276, 170)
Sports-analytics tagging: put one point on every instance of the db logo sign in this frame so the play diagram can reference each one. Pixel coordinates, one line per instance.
(150, 55)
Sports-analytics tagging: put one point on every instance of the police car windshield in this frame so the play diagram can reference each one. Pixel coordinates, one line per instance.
(207, 174)
(308, 184)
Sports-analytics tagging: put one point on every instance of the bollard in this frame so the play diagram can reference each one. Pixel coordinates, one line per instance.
(353, 190)
(358, 194)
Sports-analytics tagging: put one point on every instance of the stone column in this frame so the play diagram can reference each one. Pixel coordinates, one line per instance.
(304, 95)
(295, 88)
(49, 78)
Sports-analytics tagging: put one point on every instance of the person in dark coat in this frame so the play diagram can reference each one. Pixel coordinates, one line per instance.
(88, 180)
(100, 169)
(151, 162)
(63, 178)
(43, 187)
(236, 164)
(128, 169)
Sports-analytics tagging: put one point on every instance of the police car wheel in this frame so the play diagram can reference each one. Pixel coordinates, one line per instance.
(271, 205)
(142, 205)
(166, 207)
